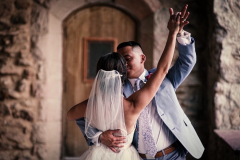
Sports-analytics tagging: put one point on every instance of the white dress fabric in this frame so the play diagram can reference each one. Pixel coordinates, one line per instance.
(128, 152)
(105, 112)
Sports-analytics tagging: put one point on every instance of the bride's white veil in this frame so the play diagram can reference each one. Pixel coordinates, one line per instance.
(105, 104)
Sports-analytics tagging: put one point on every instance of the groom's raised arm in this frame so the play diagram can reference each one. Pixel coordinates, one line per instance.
(184, 64)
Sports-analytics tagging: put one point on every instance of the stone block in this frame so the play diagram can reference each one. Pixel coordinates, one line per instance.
(55, 49)
(37, 89)
(8, 154)
(235, 118)
(10, 134)
(10, 69)
(226, 120)
(26, 155)
(14, 94)
(234, 94)
(26, 127)
(140, 9)
(55, 24)
(21, 39)
(3, 94)
(6, 82)
(39, 133)
(40, 150)
(53, 134)
(27, 144)
(52, 88)
(23, 113)
(29, 73)
(7, 40)
(16, 48)
(42, 112)
(41, 73)
(53, 108)
(37, 54)
(24, 62)
(7, 145)
(39, 20)
(23, 85)
(53, 151)
(218, 118)
(4, 110)
(192, 80)
(45, 3)
(221, 101)
(61, 8)
(20, 17)
(29, 103)
(4, 27)
(20, 4)
(6, 9)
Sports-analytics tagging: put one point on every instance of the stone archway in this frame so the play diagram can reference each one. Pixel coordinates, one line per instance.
(100, 25)
(51, 46)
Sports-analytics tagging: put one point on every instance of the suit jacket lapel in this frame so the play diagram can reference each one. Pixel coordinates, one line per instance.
(128, 90)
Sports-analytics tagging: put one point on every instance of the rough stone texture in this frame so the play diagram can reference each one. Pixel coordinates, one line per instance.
(39, 130)
(20, 17)
(228, 84)
(18, 71)
(20, 4)
(39, 19)
(223, 73)
(4, 110)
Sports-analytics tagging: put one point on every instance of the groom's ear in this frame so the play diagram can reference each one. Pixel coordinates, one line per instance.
(143, 58)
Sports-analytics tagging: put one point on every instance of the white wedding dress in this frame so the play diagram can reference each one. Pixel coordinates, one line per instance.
(128, 152)
(105, 112)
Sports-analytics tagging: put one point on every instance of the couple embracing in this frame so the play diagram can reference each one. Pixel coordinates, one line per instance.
(133, 113)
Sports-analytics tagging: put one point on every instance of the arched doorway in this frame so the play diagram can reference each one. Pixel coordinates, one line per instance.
(102, 24)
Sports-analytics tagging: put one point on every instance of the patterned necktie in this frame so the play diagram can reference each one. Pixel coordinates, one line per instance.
(144, 124)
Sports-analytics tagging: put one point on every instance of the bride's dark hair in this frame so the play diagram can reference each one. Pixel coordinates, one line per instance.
(113, 61)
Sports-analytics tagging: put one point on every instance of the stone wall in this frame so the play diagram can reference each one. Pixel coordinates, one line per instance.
(21, 80)
(223, 71)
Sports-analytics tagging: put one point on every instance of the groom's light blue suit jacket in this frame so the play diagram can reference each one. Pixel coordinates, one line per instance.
(167, 104)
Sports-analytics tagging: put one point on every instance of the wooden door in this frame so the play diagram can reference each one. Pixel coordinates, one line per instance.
(98, 22)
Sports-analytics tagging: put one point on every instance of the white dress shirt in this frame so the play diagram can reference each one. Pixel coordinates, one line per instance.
(161, 134)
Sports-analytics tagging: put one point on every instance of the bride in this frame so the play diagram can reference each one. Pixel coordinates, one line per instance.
(107, 109)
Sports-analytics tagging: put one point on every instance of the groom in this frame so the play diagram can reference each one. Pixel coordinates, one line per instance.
(171, 130)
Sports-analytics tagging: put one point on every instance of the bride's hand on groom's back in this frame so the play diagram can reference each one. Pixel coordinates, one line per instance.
(111, 141)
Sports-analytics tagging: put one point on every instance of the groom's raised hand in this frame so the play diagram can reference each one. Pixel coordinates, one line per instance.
(111, 141)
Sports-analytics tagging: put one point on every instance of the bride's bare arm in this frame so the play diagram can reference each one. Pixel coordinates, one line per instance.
(141, 98)
(77, 111)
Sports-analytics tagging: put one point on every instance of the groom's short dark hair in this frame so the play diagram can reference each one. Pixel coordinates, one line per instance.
(129, 43)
